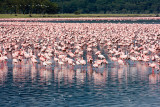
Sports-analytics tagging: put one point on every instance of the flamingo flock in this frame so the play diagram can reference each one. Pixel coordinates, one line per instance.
(79, 44)
(78, 19)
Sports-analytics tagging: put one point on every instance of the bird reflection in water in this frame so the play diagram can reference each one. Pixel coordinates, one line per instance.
(26, 72)
(121, 72)
(45, 75)
(33, 74)
(153, 77)
(100, 78)
(3, 73)
(133, 72)
(142, 70)
(80, 76)
(113, 73)
(20, 75)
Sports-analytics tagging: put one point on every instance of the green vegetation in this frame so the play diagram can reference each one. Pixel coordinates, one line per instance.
(28, 7)
(73, 15)
(78, 7)
(109, 6)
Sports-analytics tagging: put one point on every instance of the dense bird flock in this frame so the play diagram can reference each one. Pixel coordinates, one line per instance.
(79, 44)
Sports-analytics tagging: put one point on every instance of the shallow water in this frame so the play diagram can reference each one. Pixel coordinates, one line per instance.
(108, 21)
(92, 21)
(129, 85)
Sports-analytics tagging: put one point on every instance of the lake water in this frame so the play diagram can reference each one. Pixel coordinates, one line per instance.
(130, 85)
(108, 21)
(91, 21)
(134, 84)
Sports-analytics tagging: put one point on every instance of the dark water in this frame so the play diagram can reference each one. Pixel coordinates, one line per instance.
(108, 21)
(109, 85)
(94, 21)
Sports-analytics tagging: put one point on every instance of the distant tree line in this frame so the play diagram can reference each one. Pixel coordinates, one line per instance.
(28, 6)
(108, 6)
(79, 6)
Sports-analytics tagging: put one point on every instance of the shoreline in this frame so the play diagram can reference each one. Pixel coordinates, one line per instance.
(76, 15)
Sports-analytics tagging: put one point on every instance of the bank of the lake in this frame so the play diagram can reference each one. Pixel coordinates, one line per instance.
(74, 15)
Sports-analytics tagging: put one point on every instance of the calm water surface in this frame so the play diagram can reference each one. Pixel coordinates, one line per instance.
(109, 85)
(108, 21)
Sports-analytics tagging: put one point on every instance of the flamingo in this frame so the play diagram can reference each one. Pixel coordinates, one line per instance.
(68, 43)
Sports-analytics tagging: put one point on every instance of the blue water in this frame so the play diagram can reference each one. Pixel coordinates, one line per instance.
(107, 21)
(131, 85)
